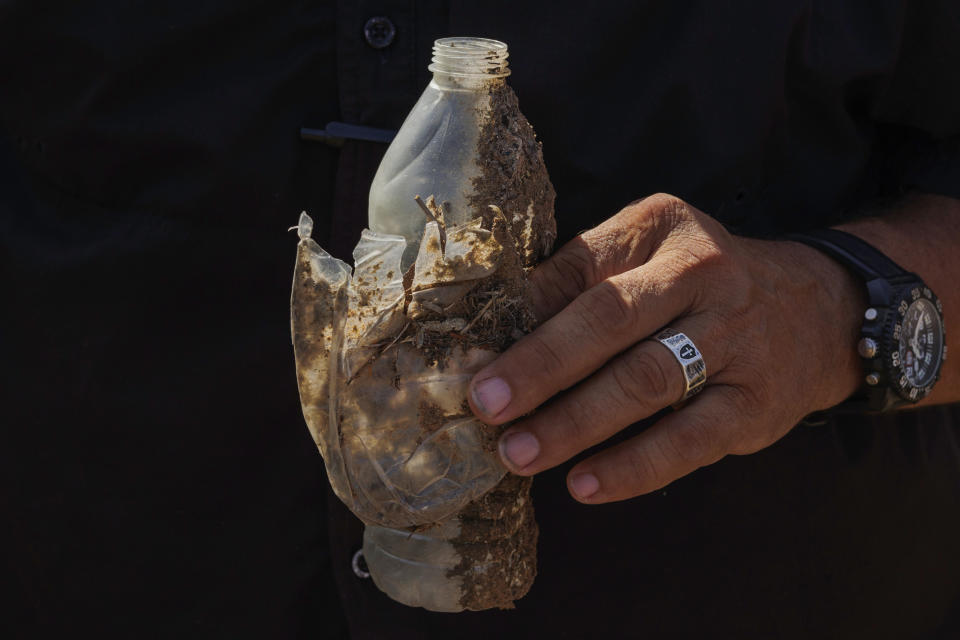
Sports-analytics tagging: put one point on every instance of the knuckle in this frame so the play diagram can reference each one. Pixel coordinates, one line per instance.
(662, 211)
(636, 214)
(663, 201)
(699, 253)
(673, 210)
(740, 407)
(710, 272)
(642, 377)
(629, 388)
(573, 270)
(544, 358)
(749, 399)
(669, 201)
(641, 467)
(609, 307)
(764, 420)
(696, 443)
(709, 253)
(577, 422)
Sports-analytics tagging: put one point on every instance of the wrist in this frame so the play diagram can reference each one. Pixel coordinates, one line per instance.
(902, 341)
(828, 303)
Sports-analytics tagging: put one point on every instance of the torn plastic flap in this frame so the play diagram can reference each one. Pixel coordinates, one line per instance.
(400, 443)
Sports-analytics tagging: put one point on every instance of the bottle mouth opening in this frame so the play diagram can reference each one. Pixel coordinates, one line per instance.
(470, 57)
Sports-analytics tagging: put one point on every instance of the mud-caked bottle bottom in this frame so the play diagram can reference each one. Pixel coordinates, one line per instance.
(483, 558)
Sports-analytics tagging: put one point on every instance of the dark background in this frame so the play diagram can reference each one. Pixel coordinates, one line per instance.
(158, 479)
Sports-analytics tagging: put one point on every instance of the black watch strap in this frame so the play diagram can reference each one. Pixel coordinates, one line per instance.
(883, 278)
(852, 251)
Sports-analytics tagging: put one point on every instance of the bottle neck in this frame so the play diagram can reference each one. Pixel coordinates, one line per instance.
(469, 64)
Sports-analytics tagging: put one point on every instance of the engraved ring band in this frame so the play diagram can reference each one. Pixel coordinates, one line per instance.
(689, 357)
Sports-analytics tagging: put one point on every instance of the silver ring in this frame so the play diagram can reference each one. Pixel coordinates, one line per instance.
(689, 357)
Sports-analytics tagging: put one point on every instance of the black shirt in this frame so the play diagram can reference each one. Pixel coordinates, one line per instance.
(158, 478)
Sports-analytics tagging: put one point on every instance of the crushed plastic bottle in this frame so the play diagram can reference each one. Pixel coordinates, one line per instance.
(461, 208)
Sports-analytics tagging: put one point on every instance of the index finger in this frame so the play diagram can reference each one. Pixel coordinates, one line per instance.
(577, 341)
(619, 243)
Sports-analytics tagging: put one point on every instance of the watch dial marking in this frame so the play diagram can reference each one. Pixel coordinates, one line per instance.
(920, 342)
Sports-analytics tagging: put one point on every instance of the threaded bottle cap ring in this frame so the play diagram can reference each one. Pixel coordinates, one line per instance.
(470, 57)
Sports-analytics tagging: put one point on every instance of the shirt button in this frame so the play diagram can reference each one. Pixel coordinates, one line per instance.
(379, 32)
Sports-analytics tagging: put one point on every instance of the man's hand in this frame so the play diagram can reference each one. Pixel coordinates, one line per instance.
(776, 322)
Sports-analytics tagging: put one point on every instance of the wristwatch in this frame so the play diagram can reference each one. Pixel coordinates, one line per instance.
(902, 340)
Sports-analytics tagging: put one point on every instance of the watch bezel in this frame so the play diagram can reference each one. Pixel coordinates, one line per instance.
(889, 354)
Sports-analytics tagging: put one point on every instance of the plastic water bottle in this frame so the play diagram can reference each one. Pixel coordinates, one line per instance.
(460, 208)
(437, 151)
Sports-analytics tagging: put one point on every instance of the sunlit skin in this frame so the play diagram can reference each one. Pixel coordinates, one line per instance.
(777, 323)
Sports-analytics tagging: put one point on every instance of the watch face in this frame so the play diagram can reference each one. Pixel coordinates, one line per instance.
(921, 343)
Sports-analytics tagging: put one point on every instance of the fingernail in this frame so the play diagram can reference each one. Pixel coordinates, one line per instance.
(491, 396)
(584, 485)
(519, 448)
